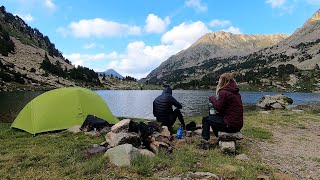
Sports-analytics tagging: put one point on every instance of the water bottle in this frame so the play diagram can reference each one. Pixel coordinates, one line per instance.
(211, 109)
(179, 133)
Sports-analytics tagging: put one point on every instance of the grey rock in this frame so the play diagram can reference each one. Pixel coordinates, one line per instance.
(229, 136)
(278, 101)
(75, 129)
(92, 133)
(198, 132)
(242, 157)
(122, 126)
(165, 132)
(122, 155)
(277, 106)
(115, 139)
(227, 146)
(146, 152)
(202, 175)
(95, 150)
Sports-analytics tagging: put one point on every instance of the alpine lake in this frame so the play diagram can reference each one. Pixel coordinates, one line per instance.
(138, 103)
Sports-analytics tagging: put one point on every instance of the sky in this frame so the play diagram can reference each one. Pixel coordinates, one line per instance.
(134, 37)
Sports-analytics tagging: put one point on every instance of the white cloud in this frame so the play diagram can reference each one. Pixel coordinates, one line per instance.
(87, 59)
(276, 3)
(185, 33)
(25, 17)
(155, 24)
(93, 45)
(219, 23)
(140, 59)
(233, 30)
(99, 28)
(49, 4)
(197, 5)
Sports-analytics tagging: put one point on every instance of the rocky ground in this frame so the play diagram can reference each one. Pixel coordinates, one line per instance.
(294, 150)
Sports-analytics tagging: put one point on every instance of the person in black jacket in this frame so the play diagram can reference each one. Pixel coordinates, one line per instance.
(162, 109)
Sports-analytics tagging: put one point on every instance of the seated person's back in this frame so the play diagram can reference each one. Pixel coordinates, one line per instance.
(162, 108)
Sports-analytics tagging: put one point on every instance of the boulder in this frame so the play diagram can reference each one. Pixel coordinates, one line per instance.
(278, 101)
(115, 139)
(122, 155)
(122, 126)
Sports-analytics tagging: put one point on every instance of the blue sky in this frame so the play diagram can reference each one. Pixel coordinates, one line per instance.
(135, 36)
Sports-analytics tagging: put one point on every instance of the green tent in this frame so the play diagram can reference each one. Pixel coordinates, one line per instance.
(61, 109)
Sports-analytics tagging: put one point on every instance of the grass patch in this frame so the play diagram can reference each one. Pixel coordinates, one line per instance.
(60, 155)
(257, 133)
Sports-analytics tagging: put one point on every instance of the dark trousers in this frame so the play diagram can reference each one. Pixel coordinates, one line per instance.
(217, 124)
(169, 121)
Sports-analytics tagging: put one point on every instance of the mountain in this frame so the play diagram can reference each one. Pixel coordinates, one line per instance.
(212, 45)
(110, 72)
(30, 61)
(274, 62)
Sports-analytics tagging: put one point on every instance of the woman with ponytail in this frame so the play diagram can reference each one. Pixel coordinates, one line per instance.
(228, 105)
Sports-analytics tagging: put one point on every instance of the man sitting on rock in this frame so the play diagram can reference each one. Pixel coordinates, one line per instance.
(162, 109)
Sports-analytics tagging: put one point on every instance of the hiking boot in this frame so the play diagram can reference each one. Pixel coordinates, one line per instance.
(204, 144)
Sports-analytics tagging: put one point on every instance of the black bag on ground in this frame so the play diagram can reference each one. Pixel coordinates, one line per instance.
(191, 126)
(93, 122)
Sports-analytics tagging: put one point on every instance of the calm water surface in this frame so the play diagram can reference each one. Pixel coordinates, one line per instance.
(138, 103)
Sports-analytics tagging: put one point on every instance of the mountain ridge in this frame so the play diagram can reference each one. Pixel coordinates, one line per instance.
(290, 64)
(203, 49)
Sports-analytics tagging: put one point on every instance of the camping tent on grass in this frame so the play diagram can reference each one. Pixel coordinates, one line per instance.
(61, 109)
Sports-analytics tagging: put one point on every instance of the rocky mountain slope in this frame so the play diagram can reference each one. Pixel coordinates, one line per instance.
(284, 65)
(217, 44)
(30, 61)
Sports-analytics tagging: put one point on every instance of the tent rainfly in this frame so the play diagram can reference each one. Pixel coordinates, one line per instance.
(61, 109)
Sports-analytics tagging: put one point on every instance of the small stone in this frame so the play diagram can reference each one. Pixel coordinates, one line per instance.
(115, 139)
(92, 133)
(229, 136)
(122, 126)
(95, 150)
(165, 132)
(263, 177)
(242, 157)
(227, 146)
(264, 112)
(201, 175)
(75, 129)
